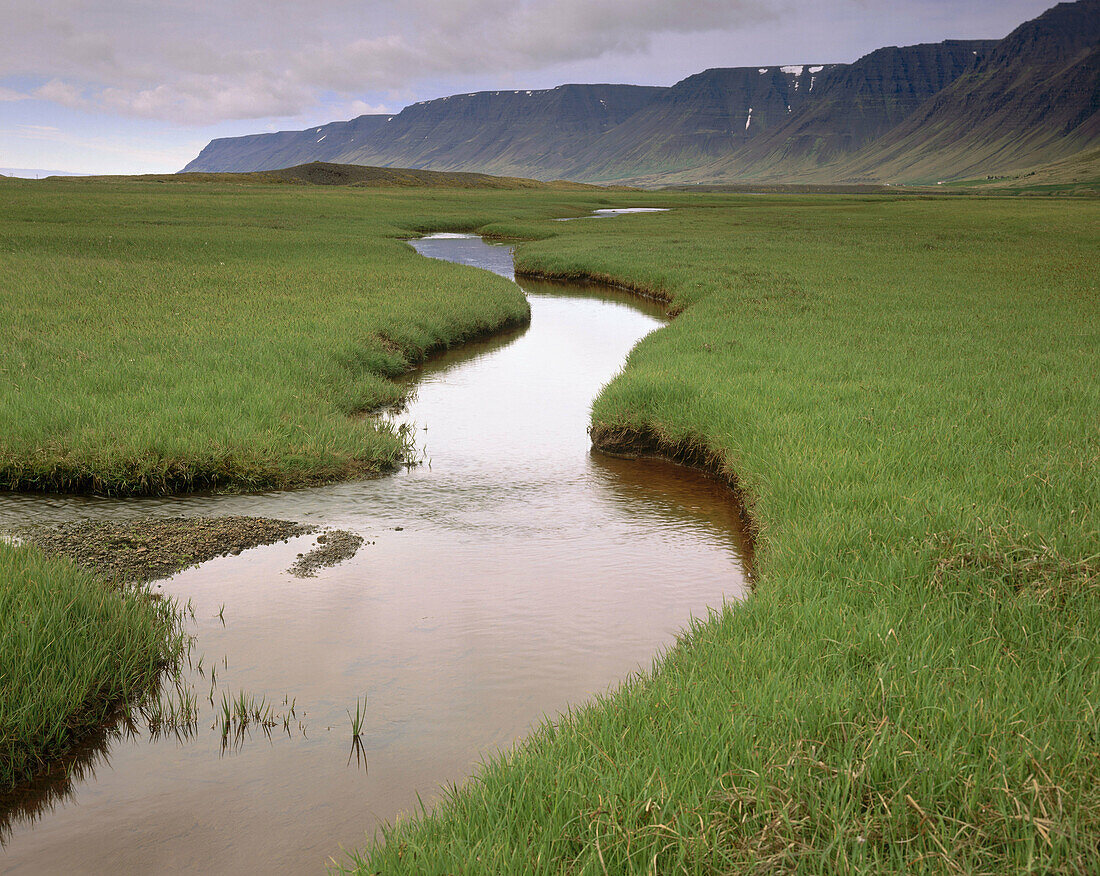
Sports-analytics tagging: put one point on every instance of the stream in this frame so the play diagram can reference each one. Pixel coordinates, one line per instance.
(513, 573)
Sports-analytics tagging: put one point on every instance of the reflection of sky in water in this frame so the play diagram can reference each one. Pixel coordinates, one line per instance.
(611, 212)
(529, 574)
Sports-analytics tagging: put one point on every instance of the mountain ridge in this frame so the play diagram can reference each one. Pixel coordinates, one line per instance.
(911, 114)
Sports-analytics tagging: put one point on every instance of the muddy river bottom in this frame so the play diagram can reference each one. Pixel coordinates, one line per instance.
(510, 575)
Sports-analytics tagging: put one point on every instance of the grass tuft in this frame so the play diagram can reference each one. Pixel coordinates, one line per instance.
(73, 648)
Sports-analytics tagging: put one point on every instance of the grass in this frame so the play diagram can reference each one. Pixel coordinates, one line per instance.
(356, 720)
(904, 391)
(902, 388)
(72, 649)
(169, 338)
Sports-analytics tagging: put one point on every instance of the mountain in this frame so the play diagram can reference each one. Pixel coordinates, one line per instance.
(1035, 99)
(914, 113)
(511, 133)
(862, 101)
(831, 112)
(285, 148)
(701, 118)
(508, 133)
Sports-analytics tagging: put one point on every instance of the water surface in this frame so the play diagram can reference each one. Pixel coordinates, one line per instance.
(514, 573)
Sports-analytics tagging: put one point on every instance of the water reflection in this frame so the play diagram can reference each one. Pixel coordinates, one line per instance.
(611, 212)
(36, 799)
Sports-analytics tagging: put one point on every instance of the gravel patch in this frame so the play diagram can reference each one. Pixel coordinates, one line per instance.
(144, 550)
(333, 546)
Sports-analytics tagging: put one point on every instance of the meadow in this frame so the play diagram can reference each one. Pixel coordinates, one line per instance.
(163, 338)
(902, 390)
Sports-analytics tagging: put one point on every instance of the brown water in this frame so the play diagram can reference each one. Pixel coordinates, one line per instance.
(528, 574)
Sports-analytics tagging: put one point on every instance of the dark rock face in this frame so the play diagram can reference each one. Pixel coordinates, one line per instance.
(913, 111)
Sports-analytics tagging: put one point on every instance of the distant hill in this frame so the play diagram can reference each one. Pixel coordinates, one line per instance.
(321, 173)
(923, 113)
(509, 133)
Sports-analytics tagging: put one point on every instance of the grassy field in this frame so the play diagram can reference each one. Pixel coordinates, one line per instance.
(905, 392)
(72, 649)
(903, 388)
(167, 338)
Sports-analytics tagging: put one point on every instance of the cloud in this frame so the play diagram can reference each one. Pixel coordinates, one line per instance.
(35, 132)
(62, 93)
(206, 61)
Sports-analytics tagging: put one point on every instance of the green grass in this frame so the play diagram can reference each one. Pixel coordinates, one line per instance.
(903, 388)
(72, 649)
(905, 392)
(168, 338)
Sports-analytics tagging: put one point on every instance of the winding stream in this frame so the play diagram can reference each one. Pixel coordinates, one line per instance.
(512, 574)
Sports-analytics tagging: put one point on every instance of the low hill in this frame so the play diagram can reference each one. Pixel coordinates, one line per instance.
(322, 173)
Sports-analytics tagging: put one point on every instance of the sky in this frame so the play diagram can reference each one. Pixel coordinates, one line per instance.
(141, 86)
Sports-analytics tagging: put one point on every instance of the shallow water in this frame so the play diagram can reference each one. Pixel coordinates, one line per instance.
(528, 574)
(610, 212)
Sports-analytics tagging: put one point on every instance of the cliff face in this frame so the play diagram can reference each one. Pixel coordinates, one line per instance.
(1034, 100)
(702, 118)
(914, 113)
(285, 148)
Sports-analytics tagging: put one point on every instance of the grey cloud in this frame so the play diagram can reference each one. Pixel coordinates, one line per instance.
(210, 61)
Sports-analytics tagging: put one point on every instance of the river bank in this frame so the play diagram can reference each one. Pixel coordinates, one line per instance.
(457, 624)
(902, 390)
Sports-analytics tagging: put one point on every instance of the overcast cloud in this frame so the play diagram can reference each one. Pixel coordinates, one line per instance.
(209, 61)
(206, 61)
(142, 68)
